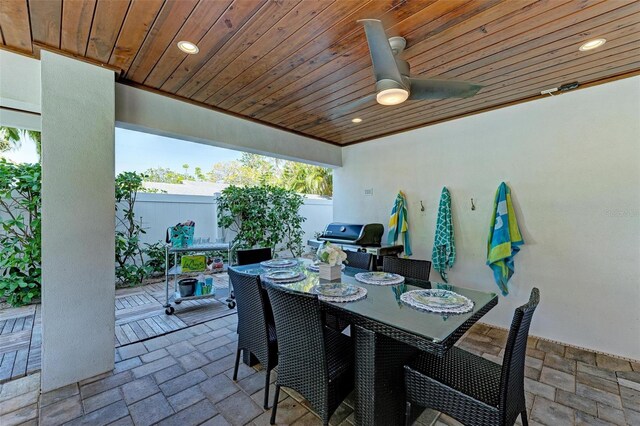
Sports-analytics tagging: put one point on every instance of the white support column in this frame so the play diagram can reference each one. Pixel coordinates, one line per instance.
(78, 119)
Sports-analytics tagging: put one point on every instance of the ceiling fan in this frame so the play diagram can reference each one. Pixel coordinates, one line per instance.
(394, 84)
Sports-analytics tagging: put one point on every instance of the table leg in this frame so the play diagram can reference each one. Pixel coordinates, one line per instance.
(379, 378)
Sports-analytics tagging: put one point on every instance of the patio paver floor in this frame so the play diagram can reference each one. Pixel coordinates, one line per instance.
(139, 315)
(184, 378)
(183, 374)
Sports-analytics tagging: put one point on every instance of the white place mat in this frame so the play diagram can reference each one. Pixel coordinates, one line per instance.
(407, 299)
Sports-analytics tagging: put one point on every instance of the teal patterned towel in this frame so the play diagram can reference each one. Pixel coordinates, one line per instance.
(444, 248)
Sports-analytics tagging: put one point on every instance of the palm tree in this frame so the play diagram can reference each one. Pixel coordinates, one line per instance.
(308, 179)
(320, 180)
(11, 138)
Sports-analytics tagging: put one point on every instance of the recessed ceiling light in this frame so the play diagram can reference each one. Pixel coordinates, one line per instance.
(357, 120)
(593, 44)
(188, 47)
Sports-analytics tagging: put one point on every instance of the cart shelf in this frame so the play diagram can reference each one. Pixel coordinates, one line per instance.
(176, 270)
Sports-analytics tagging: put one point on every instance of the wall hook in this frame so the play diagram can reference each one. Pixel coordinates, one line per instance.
(421, 206)
(473, 206)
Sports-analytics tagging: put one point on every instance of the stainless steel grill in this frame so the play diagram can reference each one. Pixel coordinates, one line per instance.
(369, 235)
(353, 237)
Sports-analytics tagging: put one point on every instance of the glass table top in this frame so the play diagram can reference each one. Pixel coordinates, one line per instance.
(383, 303)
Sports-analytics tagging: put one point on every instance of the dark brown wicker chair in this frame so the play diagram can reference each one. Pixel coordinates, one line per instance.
(408, 268)
(314, 360)
(248, 257)
(256, 331)
(470, 388)
(358, 259)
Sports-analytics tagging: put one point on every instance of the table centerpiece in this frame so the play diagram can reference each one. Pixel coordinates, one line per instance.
(331, 258)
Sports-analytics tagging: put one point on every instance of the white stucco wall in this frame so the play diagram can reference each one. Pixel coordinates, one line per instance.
(19, 82)
(573, 164)
(77, 220)
(159, 211)
(149, 112)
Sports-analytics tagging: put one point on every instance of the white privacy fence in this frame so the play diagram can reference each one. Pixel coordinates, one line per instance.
(159, 211)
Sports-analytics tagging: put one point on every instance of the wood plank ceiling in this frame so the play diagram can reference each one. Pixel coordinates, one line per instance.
(303, 65)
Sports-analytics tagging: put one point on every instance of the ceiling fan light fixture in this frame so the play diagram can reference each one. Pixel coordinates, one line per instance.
(188, 47)
(592, 44)
(393, 96)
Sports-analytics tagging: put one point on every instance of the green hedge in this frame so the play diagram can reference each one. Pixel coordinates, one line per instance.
(20, 254)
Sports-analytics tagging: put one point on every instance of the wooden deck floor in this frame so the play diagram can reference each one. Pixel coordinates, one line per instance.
(139, 312)
(19, 342)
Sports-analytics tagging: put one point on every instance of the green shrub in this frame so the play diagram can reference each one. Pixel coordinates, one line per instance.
(130, 265)
(262, 216)
(155, 255)
(20, 250)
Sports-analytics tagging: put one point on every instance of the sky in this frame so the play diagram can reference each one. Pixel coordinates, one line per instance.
(137, 151)
(26, 153)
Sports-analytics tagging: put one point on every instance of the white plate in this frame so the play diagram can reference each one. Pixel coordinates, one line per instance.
(379, 276)
(438, 298)
(315, 267)
(282, 274)
(336, 290)
(279, 263)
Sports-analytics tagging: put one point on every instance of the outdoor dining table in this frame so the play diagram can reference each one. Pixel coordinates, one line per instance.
(388, 333)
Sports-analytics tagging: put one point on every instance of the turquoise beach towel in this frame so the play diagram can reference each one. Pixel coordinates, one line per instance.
(504, 239)
(399, 225)
(444, 248)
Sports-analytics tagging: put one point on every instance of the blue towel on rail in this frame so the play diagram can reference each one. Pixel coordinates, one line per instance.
(399, 224)
(504, 239)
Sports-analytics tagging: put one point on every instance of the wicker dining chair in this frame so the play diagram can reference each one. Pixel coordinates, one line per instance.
(470, 388)
(256, 330)
(250, 256)
(359, 259)
(408, 268)
(314, 360)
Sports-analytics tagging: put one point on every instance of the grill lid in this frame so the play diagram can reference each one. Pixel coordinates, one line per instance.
(342, 231)
(365, 235)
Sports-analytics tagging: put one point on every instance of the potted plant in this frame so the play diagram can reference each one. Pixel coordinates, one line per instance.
(331, 258)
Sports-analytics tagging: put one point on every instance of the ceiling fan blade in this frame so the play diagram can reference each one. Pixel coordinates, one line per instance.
(353, 105)
(435, 88)
(384, 62)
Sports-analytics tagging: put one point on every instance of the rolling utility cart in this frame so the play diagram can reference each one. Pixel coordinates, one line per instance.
(176, 270)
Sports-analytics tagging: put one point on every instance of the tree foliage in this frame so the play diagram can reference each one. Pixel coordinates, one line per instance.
(20, 252)
(262, 216)
(255, 170)
(308, 179)
(11, 138)
(165, 175)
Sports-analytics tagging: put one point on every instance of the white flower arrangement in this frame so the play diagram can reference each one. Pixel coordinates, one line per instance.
(331, 254)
